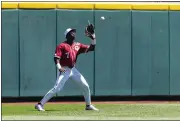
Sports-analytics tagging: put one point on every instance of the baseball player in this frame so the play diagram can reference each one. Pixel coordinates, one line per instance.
(65, 57)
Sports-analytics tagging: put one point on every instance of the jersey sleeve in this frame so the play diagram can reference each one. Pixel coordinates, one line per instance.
(58, 52)
(83, 48)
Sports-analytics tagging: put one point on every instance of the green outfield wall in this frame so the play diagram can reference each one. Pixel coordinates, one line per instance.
(137, 51)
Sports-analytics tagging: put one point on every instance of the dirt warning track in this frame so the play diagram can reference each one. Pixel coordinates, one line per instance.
(103, 102)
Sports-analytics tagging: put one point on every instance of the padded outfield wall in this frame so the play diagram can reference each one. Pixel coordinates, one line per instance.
(137, 50)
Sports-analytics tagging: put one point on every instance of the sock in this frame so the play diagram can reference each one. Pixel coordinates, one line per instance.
(39, 103)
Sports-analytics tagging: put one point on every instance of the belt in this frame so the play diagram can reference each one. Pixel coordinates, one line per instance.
(69, 67)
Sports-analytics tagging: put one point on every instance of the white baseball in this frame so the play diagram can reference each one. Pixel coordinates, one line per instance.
(102, 17)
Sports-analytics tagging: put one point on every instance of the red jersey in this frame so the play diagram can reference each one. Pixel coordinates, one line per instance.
(68, 53)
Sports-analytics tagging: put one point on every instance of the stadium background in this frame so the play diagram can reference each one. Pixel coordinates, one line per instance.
(137, 50)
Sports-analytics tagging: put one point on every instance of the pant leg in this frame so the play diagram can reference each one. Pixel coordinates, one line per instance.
(57, 87)
(82, 83)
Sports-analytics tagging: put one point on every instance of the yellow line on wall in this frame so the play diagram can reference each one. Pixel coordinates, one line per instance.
(9, 5)
(150, 7)
(37, 5)
(113, 6)
(75, 6)
(174, 7)
(96, 6)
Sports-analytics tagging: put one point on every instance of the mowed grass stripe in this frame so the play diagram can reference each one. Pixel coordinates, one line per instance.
(84, 118)
(106, 110)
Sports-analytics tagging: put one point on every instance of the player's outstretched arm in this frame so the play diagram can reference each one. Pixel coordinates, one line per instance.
(92, 45)
(90, 32)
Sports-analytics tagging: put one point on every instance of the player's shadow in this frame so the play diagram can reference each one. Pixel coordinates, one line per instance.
(49, 110)
(53, 110)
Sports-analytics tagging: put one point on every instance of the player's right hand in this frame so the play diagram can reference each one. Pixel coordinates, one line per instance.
(62, 70)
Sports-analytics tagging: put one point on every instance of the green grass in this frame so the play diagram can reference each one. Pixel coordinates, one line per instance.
(107, 111)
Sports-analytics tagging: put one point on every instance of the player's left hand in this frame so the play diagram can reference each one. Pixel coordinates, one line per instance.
(90, 31)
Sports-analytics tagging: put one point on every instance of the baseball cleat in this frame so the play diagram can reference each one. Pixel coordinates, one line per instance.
(39, 107)
(91, 107)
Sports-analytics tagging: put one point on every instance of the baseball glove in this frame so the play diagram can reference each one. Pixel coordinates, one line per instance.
(90, 31)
